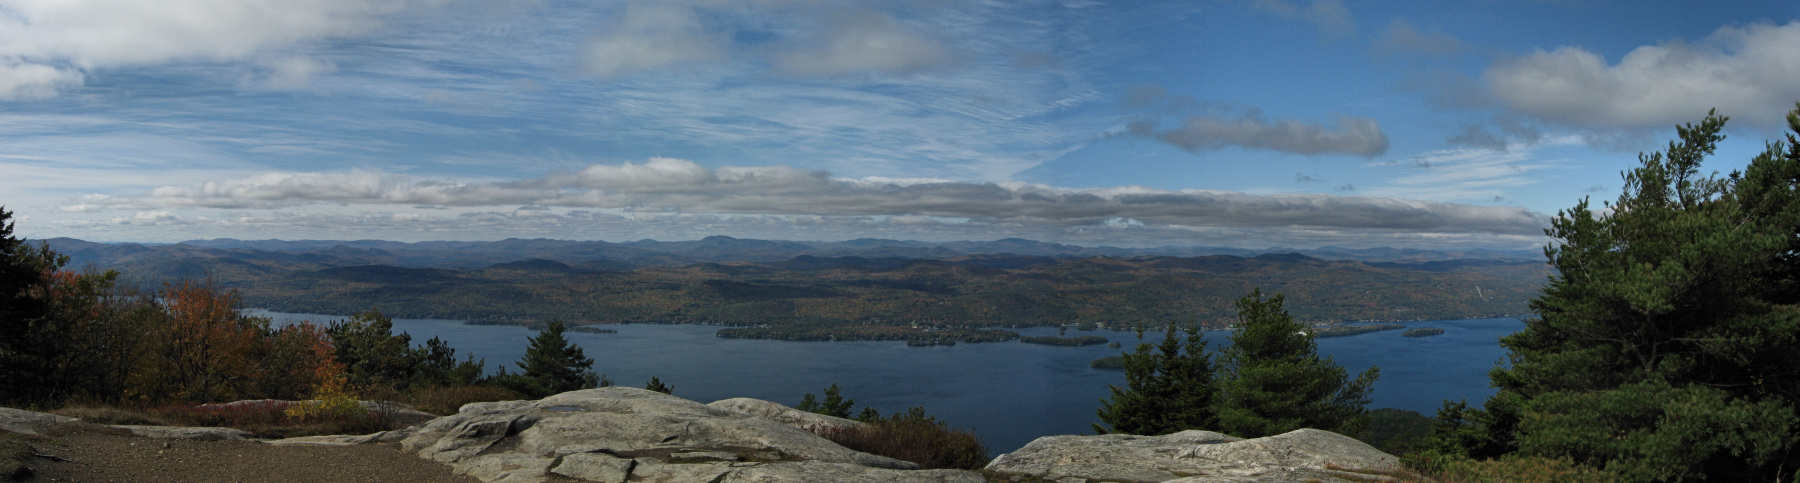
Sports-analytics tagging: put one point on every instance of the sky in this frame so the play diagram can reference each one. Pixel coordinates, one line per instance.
(1295, 123)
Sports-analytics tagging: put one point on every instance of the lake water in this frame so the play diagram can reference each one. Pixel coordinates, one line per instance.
(1008, 392)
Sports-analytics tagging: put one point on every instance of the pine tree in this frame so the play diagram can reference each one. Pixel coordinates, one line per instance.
(437, 366)
(834, 404)
(375, 356)
(1668, 343)
(1272, 379)
(29, 343)
(1167, 389)
(657, 385)
(553, 365)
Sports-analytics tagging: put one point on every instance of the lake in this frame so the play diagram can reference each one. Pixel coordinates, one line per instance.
(1009, 393)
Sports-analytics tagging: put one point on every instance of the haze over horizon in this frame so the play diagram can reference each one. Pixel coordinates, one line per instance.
(1298, 123)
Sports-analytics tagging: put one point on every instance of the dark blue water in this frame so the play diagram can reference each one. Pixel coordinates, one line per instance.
(1009, 392)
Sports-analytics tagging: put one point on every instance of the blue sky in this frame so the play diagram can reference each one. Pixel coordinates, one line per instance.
(1247, 123)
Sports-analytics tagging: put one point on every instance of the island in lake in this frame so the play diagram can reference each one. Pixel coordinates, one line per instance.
(909, 334)
(1422, 332)
(1065, 341)
(1348, 330)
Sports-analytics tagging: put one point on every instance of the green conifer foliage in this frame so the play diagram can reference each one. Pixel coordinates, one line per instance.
(1272, 379)
(30, 341)
(553, 365)
(657, 385)
(834, 405)
(1668, 347)
(437, 366)
(368, 348)
(1168, 388)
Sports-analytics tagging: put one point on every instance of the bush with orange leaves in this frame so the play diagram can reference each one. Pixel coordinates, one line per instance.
(202, 350)
(331, 398)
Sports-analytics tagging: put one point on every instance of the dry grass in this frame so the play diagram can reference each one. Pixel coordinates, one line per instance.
(445, 400)
(262, 419)
(930, 443)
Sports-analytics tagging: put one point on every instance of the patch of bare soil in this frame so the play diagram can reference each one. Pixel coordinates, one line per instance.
(100, 454)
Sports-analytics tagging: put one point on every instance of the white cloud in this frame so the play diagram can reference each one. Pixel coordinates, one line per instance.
(1353, 136)
(20, 81)
(1751, 73)
(672, 186)
(646, 37)
(867, 41)
(46, 44)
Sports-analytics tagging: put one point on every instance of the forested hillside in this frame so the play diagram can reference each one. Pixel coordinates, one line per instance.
(814, 291)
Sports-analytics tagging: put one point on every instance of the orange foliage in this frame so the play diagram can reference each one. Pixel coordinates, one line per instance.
(207, 350)
(292, 361)
(329, 374)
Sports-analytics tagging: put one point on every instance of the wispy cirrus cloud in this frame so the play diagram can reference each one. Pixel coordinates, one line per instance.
(652, 36)
(1331, 16)
(1402, 38)
(866, 41)
(1474, 173)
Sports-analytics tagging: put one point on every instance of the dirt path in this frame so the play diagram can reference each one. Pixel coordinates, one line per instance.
(99, 454)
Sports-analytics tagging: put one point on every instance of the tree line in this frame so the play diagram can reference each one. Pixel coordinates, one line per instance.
(69, 336)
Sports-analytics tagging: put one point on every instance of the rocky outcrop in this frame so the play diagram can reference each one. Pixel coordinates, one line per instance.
(613, 434)
(1193, 457)
(619, 434)
(779, 413)
(27, 422)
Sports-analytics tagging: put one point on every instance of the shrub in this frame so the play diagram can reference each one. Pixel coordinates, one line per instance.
(915, 437)
(446, 400)
(1394, 430)
(1517, 469)
(241, 414)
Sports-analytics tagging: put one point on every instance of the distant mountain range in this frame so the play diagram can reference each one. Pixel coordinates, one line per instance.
(615, 256)
(825, 285)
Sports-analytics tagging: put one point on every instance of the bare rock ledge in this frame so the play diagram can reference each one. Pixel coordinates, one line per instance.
(1195, 456)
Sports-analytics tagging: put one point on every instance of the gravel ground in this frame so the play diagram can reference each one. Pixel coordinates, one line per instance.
(98, 454)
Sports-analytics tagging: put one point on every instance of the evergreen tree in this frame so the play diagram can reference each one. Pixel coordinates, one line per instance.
(553, 365)
(657, 385)
(834, 405)
(1272, 379)
(1668, 343)
(30, 341)
(1167, 389)
(373, 354)
(436, 365)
